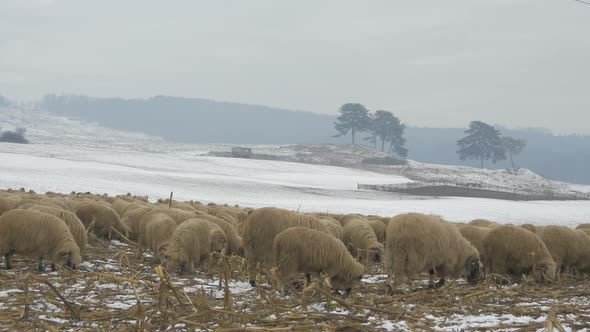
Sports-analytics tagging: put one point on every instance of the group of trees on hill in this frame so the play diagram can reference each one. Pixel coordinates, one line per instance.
(484, 142)
(381, 126)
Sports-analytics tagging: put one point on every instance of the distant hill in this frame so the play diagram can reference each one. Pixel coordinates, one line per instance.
(563, 158)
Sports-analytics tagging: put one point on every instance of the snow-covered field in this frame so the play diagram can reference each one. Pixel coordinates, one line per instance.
(66, 156)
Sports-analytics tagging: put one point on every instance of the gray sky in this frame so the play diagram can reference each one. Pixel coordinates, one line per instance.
(518, 63)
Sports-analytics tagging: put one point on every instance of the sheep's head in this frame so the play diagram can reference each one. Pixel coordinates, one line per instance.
(218, 243)
(172, 261)
(377, 253)
(69, 258)
(348, 281)
(473, 269)
(545, 272)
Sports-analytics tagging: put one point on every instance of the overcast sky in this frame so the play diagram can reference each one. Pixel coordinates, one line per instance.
(518, 63)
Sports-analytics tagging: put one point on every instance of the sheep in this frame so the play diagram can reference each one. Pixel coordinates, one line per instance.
(190, 242)
(37, 235)
(300, 249)
(378, 228)
(119, 205)
(155, 233)
(583, 226)
(218, 238)
(334, 227)
(74, 224)
(131, 220)
(483, 223)
(475, 235)
(178, 215)
(100, 218)
(585, 230)
(234, 240)
(8, 203)
(418, 243)
(259, 230)
(359, 237)
(568, 247)
(514, 251)
(529, 227)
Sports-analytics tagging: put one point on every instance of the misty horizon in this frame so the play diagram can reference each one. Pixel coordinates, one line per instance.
(516, 63)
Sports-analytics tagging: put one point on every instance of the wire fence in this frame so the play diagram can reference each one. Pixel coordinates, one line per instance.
(474, 189)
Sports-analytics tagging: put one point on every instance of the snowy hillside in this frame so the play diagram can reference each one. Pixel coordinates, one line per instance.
(66, 156)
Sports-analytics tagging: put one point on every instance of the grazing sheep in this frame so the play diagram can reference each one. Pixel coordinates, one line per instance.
(475, 235)
(514, 251)
(119, 205)
(418, 243)
(234, 240)
(131, 220)
(8, 203)
(54, 201)
(37, 235)
(568, 247)
(334, 227)
(529, 227)
(100, 218)
(300, 249)
(155, 234)
(583, 226)
(190, 242)
(360, 237)
(74, 224)
(261, 227)
(178, 215)
(585, 230)
(218, 238)
(378, 228)
(484, 223)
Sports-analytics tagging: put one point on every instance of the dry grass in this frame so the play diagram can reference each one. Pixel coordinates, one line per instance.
(115, 291)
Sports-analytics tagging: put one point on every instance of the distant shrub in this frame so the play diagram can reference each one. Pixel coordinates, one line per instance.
(17, 136)
(389, 161)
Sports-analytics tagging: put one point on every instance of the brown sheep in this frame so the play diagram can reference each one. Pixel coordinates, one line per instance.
(422, 243)
(360, 238)
(583, 226)
(475, 235)
(483, 223)
(155, 234)
(568, 247)
(37, 235)
(74, 224)
(378, 228)
(514, 251)
(190, 242)
(131, 220)
(261, 227)
(119, 204)
(8, 203)
(100, 218)
(178, 215)
(529, 227)
(218, 238)
(585, 230)
(234, 240)
(300, 249)
(334, 227)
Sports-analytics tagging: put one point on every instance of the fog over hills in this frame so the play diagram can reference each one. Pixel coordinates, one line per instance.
(205, 121)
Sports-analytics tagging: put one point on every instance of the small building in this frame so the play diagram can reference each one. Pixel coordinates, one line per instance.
(240, 152)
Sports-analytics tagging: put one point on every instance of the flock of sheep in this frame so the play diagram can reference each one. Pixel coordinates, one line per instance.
(283, 244)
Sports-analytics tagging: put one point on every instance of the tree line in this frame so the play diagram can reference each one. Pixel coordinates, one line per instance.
(482, 141)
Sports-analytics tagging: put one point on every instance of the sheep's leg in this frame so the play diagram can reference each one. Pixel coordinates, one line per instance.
(8, 261)
(40, 267)
(191, 266)
(53, 268)
(140, 249)
(308, 277)
(431, 279)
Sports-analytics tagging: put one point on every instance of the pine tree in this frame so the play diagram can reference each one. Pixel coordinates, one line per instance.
(482, 142)
(353, 118)
(513, 146)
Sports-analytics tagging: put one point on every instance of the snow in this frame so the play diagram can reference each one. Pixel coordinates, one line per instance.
(69, 156)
